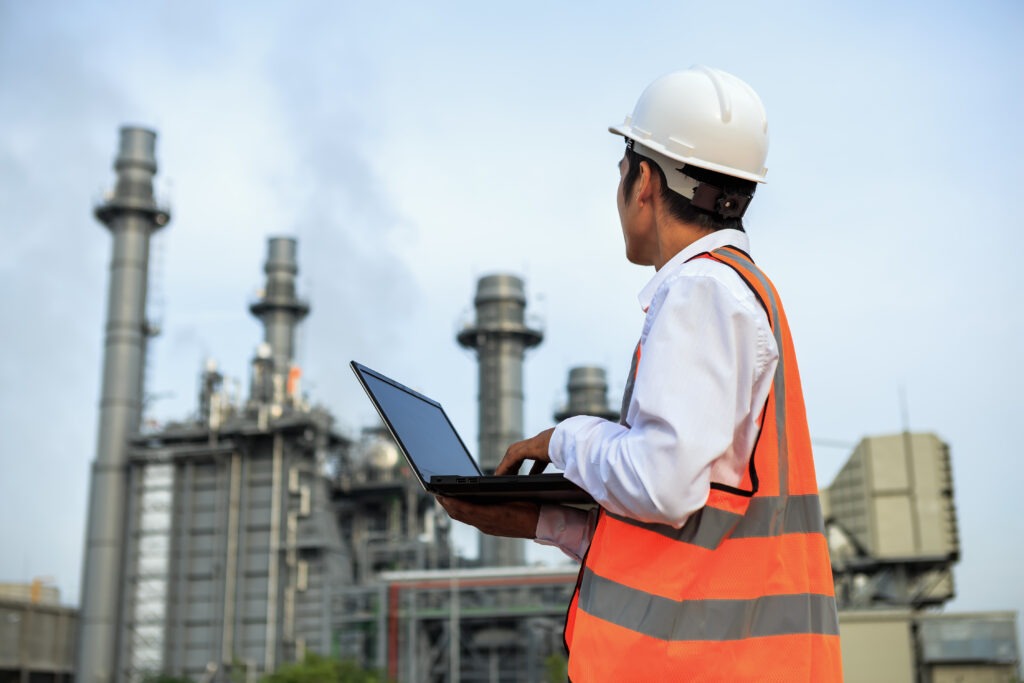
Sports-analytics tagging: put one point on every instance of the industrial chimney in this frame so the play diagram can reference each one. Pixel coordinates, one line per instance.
(131, 214)
(588, 394)
(280, 311)
(500, 337)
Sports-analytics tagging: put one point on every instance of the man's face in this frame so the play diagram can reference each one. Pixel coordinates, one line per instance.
(636, 232)
(620, 198)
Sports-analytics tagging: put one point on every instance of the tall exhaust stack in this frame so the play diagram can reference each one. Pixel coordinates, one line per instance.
(500, 337)
(280, 310)
(131, 214)
(587, 389)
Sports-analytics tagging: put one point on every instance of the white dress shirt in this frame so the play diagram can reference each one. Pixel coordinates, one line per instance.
(707, 358)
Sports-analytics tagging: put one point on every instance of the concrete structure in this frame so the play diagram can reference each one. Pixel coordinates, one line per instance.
(587, 390)
(500, 335)
(37, 641)
(877, 645)
(131, 213)
(37, 592)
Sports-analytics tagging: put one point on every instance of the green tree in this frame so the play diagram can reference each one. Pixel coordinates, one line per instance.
(165, 678)
(556, 669)
(317, 669)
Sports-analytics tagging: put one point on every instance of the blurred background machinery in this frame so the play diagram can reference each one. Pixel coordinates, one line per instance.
(224, 545)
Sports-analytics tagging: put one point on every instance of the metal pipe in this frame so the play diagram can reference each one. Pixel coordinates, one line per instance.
(184, 558)
(227, 652)
(382, 630)
(454, 622)
(270, 652)
(132, 215)
(411, 627)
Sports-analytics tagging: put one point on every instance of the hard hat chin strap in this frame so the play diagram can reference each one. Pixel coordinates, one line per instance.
(726, 204)
(700, 194)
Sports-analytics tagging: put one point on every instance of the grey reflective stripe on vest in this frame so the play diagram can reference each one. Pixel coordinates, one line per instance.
(675, 620)
(627, 394)
(780, 370)
(766, 516)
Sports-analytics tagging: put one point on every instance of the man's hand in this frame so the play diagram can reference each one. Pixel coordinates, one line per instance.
(516, 520)
(535, 448)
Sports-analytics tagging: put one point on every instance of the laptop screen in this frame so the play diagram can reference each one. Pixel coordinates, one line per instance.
(423, 429)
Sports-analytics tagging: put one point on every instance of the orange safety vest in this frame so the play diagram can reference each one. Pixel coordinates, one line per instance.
(743, 591)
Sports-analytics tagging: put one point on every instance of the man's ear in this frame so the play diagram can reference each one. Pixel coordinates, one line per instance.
(644, 184)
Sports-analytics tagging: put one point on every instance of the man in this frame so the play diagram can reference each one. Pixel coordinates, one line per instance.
(706, 559)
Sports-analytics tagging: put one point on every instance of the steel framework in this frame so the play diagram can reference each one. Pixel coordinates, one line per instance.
(507, 621)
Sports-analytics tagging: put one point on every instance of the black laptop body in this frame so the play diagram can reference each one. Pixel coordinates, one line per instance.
(439, 457)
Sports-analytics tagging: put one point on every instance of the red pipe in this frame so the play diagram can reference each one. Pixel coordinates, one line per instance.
(393, 632)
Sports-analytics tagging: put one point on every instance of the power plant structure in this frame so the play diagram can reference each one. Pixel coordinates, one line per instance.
(500, 336)
(232, 548)
(227, 544)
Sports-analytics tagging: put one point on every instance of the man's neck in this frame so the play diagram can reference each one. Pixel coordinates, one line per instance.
(673, 237)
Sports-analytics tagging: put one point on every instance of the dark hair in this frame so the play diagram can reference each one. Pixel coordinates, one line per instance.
(678, 205)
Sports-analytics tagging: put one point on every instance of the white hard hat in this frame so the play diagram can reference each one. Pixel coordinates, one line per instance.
(704, 117)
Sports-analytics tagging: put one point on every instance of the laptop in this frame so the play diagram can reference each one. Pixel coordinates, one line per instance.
(438, 455)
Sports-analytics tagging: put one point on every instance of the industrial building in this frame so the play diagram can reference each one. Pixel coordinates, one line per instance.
(236, 540)
(891, 523)
(37, 634)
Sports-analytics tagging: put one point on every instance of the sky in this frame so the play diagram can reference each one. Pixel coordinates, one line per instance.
(414, 147)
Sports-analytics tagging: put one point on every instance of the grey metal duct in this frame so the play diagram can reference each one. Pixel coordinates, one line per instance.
(588, 394)
(280, 310)
(131, 214)
(500, 337)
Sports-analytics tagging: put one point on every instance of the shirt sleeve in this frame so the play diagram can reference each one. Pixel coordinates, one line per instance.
(567, 528)
(692, 396)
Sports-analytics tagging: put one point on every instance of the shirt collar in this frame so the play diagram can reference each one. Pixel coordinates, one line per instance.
(717, 239)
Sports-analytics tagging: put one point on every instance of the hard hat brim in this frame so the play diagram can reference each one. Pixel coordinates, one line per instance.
(627, 132)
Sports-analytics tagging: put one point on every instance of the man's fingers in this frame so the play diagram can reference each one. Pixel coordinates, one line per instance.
(510, 463)
(455, 508)
(538, 467)
(535, 448)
